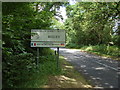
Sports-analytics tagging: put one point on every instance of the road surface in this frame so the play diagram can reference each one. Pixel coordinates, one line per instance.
(102, 72)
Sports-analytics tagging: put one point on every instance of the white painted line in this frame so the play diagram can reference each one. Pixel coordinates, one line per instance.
(107, 66)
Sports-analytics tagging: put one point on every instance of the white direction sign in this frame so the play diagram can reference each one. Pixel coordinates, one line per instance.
(47, 38)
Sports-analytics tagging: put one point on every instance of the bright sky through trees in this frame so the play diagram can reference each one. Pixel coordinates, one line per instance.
(63, 13)
(72, 2)
(63, 10)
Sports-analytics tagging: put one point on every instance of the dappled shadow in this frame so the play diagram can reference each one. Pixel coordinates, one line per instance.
(68, 79)
(70, 67)
(102, 72)
(63, 81)
(63, 78)
(100, 77)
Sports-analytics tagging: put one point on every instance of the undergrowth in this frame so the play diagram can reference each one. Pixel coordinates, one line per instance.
(21, 71)
(40, 75)
(99, 49)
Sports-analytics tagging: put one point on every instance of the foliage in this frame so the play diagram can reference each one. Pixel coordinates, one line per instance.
(40, 76)
(16, 68)
(92, 23)
(87, 24)
(103, 49)
(17, 21)
(73, 45)
(57, 24)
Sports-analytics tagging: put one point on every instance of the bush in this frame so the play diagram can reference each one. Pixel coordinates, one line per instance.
(103, 49)
(16, 68)
(46, 67)
(73, 45)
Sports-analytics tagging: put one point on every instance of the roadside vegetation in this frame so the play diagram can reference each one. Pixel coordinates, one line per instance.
(89, 27)
(46, 75)
(38, 76)
(68, 78)
(24, 73)
(94, 27)
(102, 50)
(18, 58)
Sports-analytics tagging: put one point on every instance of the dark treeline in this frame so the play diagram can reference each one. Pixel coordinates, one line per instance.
(17, 21)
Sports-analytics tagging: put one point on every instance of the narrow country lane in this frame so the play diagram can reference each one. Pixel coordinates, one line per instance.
(102, 72)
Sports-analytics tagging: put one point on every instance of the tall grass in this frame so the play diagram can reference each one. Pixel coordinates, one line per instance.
(21, 71)
(39, 77)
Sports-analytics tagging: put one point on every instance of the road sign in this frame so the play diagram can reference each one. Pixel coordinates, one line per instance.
(47, 38)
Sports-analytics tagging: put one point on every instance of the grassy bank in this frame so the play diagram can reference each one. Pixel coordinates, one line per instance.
(40, 74)
(21, 71)
(69, 78)
(47, 76)
(103, 50)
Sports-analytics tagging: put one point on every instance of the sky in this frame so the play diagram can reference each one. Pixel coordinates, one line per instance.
(63, 10)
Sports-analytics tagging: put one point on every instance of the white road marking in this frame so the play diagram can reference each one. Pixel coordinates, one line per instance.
(107, 66)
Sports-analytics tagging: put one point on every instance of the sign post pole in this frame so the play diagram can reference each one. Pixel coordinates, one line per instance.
(48, 38)
(37, 56)
(57, 57)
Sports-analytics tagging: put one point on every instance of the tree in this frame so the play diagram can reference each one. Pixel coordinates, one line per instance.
(92, 22)
(17, 22)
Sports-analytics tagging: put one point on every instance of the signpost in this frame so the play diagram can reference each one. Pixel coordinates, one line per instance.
(47, 38)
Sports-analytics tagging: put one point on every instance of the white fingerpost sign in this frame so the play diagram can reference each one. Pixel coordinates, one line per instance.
(47, 38)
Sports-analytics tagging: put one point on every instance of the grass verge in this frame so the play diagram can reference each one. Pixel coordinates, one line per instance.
(69, 78)
(102, 50)
(46, 75)
(40, 74)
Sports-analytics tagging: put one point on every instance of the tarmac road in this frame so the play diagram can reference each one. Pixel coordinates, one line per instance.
(101, 72)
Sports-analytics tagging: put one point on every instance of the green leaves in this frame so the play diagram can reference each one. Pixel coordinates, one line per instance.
(17, 21)
(91, 23)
